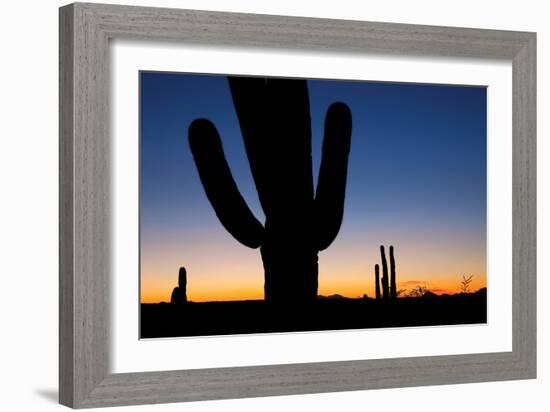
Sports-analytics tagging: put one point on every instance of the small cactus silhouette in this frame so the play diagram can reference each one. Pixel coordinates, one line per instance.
(377, 280)
(389, 288)
(179, 294)
(275, 122)
(393, 287)
(385, 282)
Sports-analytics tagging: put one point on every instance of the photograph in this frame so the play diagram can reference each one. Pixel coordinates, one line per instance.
(273, 204)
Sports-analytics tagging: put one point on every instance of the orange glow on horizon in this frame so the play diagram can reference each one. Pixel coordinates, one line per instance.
(221, 269)
(351, 290)
(155, 292)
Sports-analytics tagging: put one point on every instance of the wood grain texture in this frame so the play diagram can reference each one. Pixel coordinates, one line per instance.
(66, 228)
(85, 31)
(524, 207)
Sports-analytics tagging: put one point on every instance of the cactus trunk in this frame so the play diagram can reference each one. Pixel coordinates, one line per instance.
(377, 281)
(385, 283)
(389, 286)
(393, 287)
(290, 276)
(179, 294)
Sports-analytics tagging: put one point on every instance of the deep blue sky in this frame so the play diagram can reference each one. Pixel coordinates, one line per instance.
(417, 164)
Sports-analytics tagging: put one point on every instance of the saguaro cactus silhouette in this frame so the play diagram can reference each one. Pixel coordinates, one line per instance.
(179, 294)
(393, 287)
(385, 282)
(389, 288)
(275, 122)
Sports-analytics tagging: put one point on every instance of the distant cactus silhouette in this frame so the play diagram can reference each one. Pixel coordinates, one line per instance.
(389, 288)
(393, 287)
(377, 280)
(385, 282)
(275, 122)
(179, 294)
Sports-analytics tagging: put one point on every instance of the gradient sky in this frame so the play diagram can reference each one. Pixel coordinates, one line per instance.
(416, 180)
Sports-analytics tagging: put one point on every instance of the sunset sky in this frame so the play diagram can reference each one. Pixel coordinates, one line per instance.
(416, 180)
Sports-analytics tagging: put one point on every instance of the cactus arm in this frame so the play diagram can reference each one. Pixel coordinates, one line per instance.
(221, 189)
(331, 185)
(174, 296)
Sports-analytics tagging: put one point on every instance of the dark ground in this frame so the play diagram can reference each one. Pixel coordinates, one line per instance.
(229, 318)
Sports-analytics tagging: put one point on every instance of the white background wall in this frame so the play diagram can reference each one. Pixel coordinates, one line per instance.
(28, 207)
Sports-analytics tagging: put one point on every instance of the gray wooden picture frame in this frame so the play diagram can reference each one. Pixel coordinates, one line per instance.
(85, 31)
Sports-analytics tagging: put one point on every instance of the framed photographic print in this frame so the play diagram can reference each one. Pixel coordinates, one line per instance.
(259, 205)
(411, 189)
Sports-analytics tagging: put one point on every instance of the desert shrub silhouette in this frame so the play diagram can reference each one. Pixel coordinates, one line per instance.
(389, 287)
(465, 283)
(274, 118)
(179, 294)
